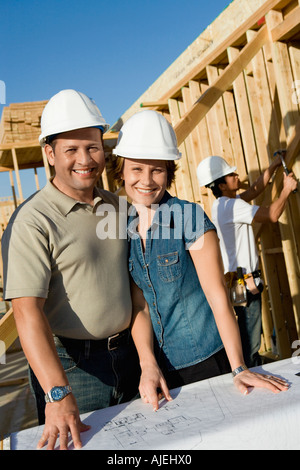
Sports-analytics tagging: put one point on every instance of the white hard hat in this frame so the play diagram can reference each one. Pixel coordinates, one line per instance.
(69, 110)
(213, 168)
(147, 135)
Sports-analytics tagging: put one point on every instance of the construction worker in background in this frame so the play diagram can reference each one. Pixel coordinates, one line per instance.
(233, 217)
(176, 262)
(70, 290)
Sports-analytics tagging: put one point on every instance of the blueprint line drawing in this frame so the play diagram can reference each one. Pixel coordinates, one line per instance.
(175, 421)
(211, 414)
(131, 433)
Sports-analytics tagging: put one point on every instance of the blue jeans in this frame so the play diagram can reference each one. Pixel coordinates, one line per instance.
(250, 324)
(99, 378)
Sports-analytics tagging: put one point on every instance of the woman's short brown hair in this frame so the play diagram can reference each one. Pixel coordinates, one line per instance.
(117, 164)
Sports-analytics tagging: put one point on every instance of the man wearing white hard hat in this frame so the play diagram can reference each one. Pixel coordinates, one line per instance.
(233, 217)
(175, 261)
(70, 290)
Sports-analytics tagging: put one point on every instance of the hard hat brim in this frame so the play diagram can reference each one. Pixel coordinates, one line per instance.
(42, 137)
(205, 182)
(152, 155)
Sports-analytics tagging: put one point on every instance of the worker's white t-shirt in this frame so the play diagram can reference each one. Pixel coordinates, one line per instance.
(232, 218)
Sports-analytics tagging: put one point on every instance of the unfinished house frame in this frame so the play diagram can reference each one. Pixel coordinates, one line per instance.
(233, 93)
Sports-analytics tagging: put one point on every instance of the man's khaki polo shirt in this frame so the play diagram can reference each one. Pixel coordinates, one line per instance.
(55, 248)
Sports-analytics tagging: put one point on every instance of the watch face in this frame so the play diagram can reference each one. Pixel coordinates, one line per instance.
(57, 394)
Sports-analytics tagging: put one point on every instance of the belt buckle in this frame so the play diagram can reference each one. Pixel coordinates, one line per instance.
(112, 348)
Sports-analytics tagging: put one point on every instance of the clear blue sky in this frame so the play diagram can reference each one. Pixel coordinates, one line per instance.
(111, 50)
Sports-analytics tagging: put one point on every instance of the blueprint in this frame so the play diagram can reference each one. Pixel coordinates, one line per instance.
(211, 414)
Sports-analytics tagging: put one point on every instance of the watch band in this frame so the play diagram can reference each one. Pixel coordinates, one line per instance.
(57, 393)
(239, 369)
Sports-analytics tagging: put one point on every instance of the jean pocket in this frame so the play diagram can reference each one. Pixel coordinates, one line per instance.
(169, 268)
(69, 363)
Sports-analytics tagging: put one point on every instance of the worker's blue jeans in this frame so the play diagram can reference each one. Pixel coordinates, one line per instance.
(250, 324)
(98, 378)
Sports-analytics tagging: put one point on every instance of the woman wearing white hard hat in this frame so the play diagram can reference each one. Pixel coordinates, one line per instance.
(175, 261)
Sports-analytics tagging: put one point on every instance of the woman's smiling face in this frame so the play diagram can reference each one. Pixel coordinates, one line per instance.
(145, 180)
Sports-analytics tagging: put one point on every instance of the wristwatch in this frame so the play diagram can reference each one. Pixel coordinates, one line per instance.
(239, 369)
(57, 393)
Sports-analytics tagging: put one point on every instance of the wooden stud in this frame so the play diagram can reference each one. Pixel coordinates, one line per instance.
(16, 168)
(220, 119)
(235, 137)
(37, 184)
(270, 270)
(266, 113)
(8, 331)
(245, 121)
(184, 190)
(46, 164)
(201, 135)
(12, 184)
(192, 147)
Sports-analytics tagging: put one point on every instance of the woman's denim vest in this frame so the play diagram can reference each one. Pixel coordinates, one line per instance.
(183, 322)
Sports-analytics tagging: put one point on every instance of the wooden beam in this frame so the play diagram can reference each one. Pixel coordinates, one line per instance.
(20, 145)
(288, 27)
(155, 104)
(208, 99)
(110, 135)
(23, 166)
(8, 331)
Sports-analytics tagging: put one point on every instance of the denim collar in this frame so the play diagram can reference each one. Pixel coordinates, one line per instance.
(157, 219)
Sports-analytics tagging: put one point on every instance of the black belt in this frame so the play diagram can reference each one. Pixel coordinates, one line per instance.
(110, 344)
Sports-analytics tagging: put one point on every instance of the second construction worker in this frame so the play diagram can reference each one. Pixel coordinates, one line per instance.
(233, 216)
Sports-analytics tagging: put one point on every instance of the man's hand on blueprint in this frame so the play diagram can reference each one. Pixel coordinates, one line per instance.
(62, 421)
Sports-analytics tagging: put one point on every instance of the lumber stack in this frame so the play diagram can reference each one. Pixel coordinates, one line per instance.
(20, 129)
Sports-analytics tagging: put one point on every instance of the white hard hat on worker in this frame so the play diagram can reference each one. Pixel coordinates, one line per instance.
(146, 153)
(213, 168)
(69, 110)
(147, 135)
